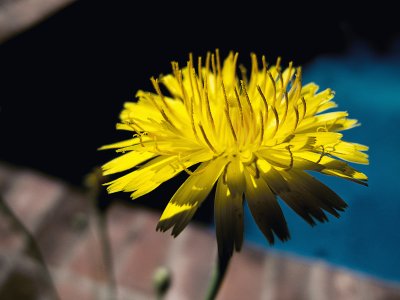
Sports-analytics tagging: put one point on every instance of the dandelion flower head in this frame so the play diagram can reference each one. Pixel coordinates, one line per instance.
(254, 138)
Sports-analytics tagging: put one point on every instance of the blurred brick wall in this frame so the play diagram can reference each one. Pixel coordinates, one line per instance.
(62, 221)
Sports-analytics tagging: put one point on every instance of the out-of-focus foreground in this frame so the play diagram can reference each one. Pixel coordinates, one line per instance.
(17, 15)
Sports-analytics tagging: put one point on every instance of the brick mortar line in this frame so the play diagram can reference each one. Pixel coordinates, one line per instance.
(42, 220)
(10, 183)
(64, 193)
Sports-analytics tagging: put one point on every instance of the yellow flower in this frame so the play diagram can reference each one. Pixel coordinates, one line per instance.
(253, 138)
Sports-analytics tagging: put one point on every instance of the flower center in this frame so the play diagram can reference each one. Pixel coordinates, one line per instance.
(245, 156)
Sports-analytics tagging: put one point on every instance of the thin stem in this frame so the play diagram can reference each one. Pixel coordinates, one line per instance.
(107, 254)
(99, 213)
(217, 277)
(32, 246)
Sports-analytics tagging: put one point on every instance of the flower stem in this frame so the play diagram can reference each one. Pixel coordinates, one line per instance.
(217, 277)
(107, 254)
(99, 209)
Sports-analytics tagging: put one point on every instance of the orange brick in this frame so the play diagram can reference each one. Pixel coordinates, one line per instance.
(191, 259)
(244, 279)
(294, 279)
(380, 291)
(124, 223)
(32, 196)
(87, 258)
(74, 287)
(346, 286)
(320, 281)
(143, 255)
(61, 231)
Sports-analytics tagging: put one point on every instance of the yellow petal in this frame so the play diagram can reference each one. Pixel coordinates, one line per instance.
(287, 160)
(323, 138)
(198, 185)
(155, 172)
(235, 177)
(142, 109)
(333, 121)
(189, 196)
(172, 85)
(308, 197)
(176, 216)
(121, 144)
(271, 176)
(167, 171)
(228, 210)
(309, 90)
(326, 106)
(126, 161)
(132, 181)
(229, 71)
(145, 188)
(296, 142)
(123, 126)
(334, 167)
(265, 208)
(317, 102)
(351, 152)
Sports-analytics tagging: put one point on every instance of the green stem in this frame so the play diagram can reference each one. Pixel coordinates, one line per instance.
(32, 246)
(217, 277)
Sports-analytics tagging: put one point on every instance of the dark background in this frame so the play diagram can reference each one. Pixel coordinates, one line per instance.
(63, 82)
